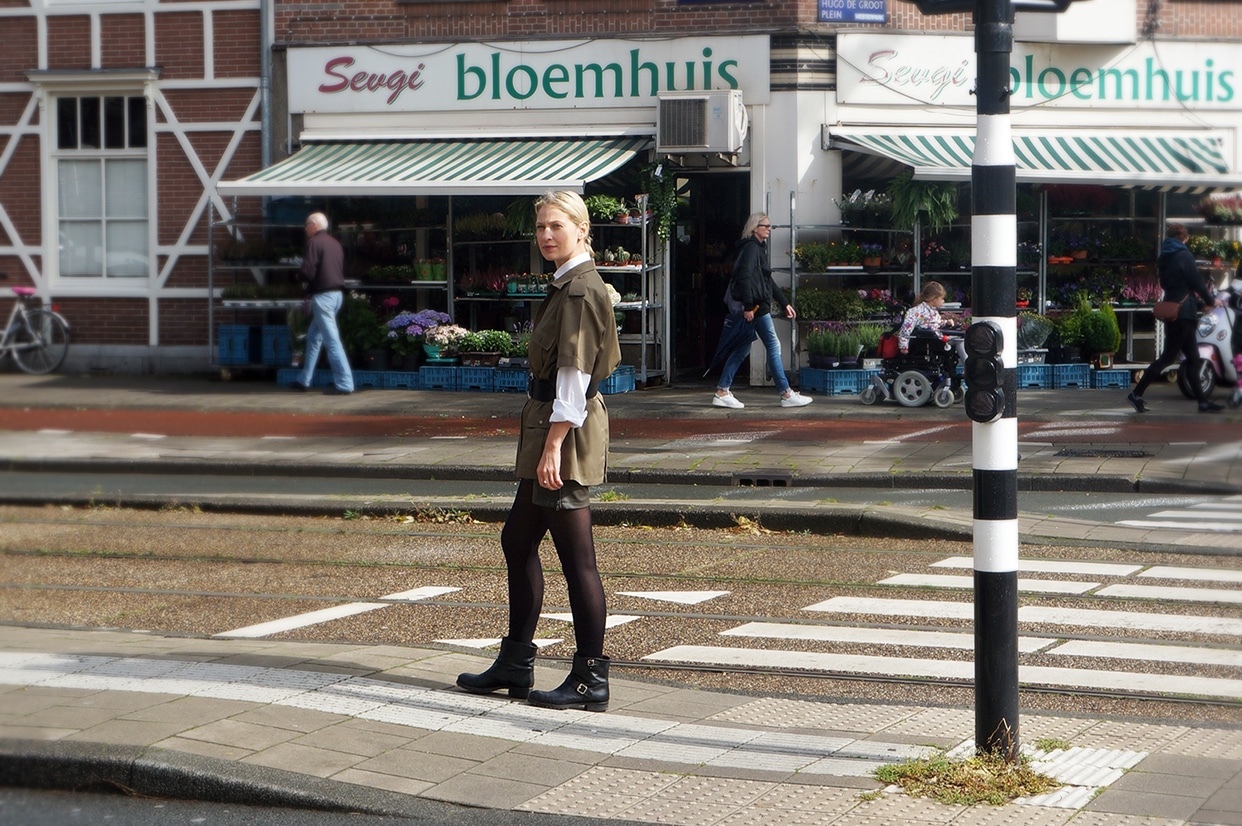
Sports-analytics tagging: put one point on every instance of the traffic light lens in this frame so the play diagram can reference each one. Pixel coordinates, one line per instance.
(984, 406)
(983, 339)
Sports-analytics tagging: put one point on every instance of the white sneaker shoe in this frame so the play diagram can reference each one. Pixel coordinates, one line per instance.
(728, 400)
(795, 399)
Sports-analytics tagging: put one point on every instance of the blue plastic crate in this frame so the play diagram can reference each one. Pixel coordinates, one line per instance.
(1110, 379)
(398, 379)
(287, 375)
(813, 380)
(369, 378)
(438, 378)
(321, 378)
(477, 378)
(237, 344)
(847, 382)
(511, 380)
(621, 381)
(1038, 376)
(277, 349)
(1071, 375)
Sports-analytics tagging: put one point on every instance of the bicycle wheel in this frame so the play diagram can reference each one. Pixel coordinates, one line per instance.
(42, 344)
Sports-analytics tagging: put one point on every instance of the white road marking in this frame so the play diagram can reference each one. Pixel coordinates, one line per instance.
(488, 642)
(680, 597)
(1062, 566)
(1033, 586)
(264, 629)
(1149, 653)
(149, 436)
(962, 640)
(1161, 592)
(949, 669)
(1035, 614)
(1195, 574)
(1197, 527)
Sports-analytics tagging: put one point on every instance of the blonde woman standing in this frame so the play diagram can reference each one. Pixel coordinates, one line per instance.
(562, 450)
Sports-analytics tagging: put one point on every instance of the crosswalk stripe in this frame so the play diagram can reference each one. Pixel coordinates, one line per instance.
(265, 629)
(1200, 512)
(1056, 566)
(1149, 653)
(963, 640)
(1199, 574)
(949, 669)
(1033, 586)
(1035, 614)
(1172, 593)
(1198, 527)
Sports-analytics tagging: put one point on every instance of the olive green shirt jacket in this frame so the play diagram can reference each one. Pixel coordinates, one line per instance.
(574, 327)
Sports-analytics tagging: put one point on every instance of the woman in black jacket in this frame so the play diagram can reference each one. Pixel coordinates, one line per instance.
(1182, 282)
(753, 288)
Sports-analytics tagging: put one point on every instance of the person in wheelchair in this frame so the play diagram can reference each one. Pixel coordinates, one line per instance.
(924, 319)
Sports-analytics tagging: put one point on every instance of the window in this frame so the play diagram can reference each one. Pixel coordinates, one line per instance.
(101, 167)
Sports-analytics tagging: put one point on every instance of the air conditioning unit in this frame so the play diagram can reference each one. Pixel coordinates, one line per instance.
(705, 122)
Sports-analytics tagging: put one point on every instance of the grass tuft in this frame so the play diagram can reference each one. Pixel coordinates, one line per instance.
(980, 779)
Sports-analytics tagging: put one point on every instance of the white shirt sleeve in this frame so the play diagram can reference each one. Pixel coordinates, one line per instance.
(570, 403)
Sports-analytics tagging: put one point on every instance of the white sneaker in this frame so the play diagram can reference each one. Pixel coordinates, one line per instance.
(728, 400)
(795, 399)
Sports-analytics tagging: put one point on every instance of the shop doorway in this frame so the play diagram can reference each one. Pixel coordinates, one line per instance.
(716, 205)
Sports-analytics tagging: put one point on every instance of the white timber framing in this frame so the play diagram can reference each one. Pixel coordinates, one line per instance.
(154, 287)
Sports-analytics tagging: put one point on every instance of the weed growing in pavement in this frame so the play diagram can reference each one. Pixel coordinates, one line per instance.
(983, 778)
(1047, 744)
(744, 524)
(442, 516)
(611, 496)
(348, 515)
(177, 507)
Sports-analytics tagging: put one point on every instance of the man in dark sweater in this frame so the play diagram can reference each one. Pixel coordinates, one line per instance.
(323, 275)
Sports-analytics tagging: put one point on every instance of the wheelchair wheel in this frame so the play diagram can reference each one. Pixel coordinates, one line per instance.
(912, 389)
(943, 397)
(869, 395)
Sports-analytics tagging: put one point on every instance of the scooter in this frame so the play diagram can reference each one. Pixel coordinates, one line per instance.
(1220, 340)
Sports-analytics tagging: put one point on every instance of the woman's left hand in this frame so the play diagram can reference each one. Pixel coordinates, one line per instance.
(790, 312)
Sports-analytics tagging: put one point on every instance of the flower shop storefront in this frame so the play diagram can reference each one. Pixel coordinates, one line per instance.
(1107, 151)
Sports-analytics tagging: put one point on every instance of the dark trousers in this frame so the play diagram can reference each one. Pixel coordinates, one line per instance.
(1179, 337)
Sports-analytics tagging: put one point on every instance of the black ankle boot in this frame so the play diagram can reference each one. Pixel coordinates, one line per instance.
(586, 687)
(514, 669)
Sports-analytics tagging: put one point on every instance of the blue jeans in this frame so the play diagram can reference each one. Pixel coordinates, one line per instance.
(323, 330)
(767, 334)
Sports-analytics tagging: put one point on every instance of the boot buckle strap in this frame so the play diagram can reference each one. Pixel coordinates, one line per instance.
(582, 688)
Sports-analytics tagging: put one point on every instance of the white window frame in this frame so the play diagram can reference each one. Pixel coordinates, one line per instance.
(125, 83)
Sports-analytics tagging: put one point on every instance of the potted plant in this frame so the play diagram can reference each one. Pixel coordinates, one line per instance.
(483, 348)
(362, 333)
(1070, 332)
(407, 332)
(933, 203)
(603, 208)
(441, 341)
(519, 345)
(865, 208)
(821, 344)
(1024, 296)
(872, 255)
(1033, 332)
(1221, 209)
(835, 304)
(1101, 334)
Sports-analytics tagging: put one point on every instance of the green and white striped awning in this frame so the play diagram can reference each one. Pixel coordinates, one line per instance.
(1189, 161)
(464, 167)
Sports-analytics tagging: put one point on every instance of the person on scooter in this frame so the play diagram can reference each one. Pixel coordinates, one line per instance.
(1181, 281)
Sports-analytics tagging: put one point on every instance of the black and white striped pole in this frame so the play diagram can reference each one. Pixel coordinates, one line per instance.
(991, 381)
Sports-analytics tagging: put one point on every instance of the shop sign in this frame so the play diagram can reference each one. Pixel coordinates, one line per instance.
(522, 75)
(940, 71)
(853, 11)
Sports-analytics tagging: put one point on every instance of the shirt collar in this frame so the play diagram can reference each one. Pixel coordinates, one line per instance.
(570, 264)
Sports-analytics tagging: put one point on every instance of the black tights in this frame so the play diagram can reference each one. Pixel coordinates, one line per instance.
(575, 546)
(1179, 337)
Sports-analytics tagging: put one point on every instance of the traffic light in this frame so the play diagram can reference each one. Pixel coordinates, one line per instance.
(985, 390)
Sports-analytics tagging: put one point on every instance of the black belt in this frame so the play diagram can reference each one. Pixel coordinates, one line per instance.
(544, 390)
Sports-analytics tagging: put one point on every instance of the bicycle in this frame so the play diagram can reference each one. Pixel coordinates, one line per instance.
(37, 338)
